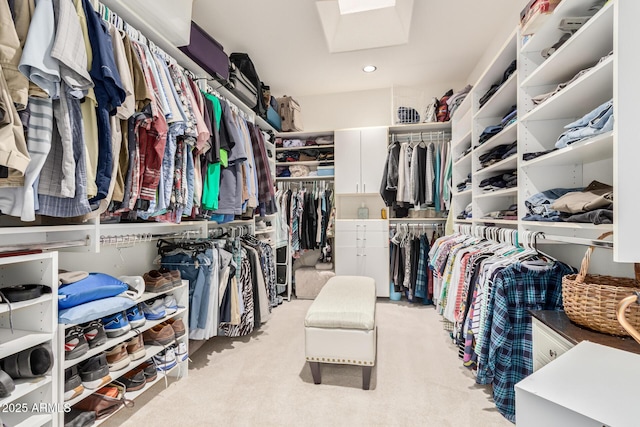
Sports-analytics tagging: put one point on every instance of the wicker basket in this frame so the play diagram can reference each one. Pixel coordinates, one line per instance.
(591, 300)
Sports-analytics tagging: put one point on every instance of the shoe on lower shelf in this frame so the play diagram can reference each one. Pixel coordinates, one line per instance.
(6, 384)
(72, 383)
(135, 316)
(118, 358)
(75, 343)
(148, 368)
(161, 334)
(154, 281)
(154, 310)
(177, 325)
(30, 363)
(135, 347)
(170, 305)
(165, 360)
(116, 325)
(133, 380)
(181, 351)
(94, 333)
(94, 371)
(173, 275)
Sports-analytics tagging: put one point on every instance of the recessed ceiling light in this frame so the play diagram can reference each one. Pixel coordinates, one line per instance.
(369, 68)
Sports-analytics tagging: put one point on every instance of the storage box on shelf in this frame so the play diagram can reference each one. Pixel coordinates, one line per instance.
(33, 324)
(181, 294)
(578, 164)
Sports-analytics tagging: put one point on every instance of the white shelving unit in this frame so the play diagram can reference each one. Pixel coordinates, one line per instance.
(181, 294)
(34, 323)
(467, 128)
(540, 125)
(322, 148)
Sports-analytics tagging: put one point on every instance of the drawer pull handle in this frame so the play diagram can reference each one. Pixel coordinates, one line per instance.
(553, 353)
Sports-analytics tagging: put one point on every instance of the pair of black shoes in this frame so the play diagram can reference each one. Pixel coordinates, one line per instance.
(79, 339)
(30, 363)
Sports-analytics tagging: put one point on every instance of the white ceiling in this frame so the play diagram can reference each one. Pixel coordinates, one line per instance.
(286, 42)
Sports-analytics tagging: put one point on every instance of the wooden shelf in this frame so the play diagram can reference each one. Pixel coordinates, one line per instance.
(580, 97)
(588, 151)
(111, 342)
(506, 136)
(19, 340)
(464, 193)
(567, 225)
(306, 163)
(464, 160)
(509, 163)
(507, 192)
(306, 147)
(498, 221)
(25, 386)
(305, 178)
(36, 420)
(152, 350)
(549, 33)
(421, 127)
(304, 134)
(465, 138)
(500, 102)
(4, 308)
(592, 41)
(463, 221)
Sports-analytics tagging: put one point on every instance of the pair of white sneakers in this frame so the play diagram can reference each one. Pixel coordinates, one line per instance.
(159, 308)
(171, 356)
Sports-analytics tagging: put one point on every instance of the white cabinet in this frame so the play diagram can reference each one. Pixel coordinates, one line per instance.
(359, 159)
(362, 249)
(547, 344)
(589, 385)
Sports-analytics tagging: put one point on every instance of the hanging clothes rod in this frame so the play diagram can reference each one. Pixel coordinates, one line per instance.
(46, 245)
(578, 241)
(132, 239)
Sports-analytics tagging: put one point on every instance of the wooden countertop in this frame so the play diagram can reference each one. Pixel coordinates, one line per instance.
(560, 323)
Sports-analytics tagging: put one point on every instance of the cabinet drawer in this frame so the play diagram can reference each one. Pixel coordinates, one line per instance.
(547, 344)
(360, 239)
(362, 225)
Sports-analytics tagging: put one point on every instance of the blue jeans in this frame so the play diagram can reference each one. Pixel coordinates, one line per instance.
(199, 277)
(596, 122)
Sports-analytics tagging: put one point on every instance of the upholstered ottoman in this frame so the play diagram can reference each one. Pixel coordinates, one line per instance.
(310, 281)
(340, 326)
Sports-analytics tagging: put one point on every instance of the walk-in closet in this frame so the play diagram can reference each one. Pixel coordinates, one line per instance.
(319, 213)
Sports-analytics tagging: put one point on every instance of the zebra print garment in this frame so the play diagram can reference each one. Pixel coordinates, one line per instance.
(246, 319)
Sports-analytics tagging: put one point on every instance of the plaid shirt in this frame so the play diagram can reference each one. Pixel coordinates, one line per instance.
(506, 355)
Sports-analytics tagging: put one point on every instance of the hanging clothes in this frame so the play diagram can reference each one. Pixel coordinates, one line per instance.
(487, 289)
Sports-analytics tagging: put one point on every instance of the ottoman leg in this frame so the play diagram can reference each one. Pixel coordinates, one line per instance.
(366, 377)
(315, 371)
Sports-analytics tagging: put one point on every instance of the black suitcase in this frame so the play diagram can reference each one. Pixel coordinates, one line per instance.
(241, 87)
(245, 66)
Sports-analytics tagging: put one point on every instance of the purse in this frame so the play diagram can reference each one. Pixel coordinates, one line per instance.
(105, 401)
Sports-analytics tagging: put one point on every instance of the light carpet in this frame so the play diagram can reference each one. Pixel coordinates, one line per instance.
(263, 380)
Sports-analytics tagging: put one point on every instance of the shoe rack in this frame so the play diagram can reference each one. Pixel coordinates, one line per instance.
(181, 294)
(34, 323)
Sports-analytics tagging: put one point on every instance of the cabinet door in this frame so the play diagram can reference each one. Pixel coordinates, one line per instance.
(376, 265)
(373, 154)
(347, 161)
(348, 260)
